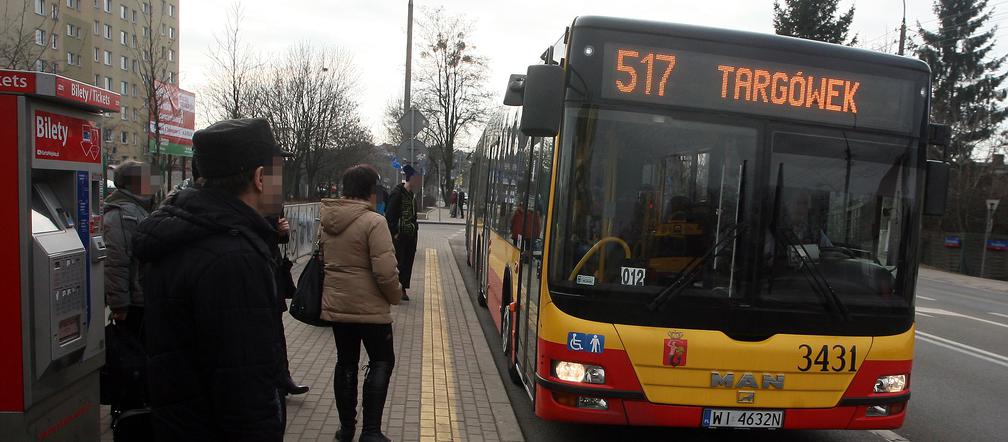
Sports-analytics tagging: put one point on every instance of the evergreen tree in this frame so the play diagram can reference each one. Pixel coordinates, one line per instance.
(814, 20)
(966, 93)
(966, 80)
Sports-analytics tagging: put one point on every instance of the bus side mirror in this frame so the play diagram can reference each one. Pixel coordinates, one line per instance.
(515, 92)
(542, 105)
(936, 187)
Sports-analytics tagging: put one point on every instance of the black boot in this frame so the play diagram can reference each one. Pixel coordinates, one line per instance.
(376, 383)
(405, 297)
(345, 391)
(291, 387)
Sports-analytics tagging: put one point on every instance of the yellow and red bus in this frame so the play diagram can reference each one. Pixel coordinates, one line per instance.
(683, 226)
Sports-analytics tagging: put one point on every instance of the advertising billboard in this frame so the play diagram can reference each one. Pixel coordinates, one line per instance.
(177, 115)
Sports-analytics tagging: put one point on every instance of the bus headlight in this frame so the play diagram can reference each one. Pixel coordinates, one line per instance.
(891, 384)
(576, 372)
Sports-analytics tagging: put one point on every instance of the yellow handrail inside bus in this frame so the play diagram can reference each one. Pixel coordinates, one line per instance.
(595, 248)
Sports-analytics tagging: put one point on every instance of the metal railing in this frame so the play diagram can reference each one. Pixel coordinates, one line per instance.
(304, 223)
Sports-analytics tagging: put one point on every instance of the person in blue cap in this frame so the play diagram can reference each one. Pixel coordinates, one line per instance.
(401, 214)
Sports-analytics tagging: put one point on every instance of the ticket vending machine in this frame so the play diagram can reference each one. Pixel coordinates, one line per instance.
(52, 303)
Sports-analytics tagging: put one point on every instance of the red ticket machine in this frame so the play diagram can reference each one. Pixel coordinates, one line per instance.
(52, 302)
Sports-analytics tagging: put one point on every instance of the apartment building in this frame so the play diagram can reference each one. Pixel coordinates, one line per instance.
(113, 44)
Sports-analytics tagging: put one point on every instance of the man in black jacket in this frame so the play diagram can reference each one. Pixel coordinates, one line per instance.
(401, 214)
(214, 339)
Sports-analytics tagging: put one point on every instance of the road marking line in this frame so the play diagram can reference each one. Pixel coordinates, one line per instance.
(925, 314)
(938, 311)
(890, 436)
(438, 414)
(999, 314)
(926, 298)
(963, 348)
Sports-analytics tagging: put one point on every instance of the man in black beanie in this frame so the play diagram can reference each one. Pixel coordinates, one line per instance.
(214, 339)
(401, 214)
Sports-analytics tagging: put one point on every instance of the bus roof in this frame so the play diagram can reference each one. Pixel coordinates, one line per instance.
(751, 39)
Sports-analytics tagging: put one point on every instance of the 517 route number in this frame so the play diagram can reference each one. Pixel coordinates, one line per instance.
(828, 358)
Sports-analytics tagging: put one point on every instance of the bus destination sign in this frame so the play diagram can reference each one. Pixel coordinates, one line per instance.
(717, 82)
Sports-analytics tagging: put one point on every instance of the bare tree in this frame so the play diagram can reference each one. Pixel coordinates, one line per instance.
(18, 46)
(452, 91)
(151, 67)
(308, 95)
(232, 72)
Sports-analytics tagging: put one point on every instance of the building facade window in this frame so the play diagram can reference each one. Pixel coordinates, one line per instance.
(124, 137)
(97, 27)
(108, 32)
(55, 11)
(108, 6)
(73, 30)
(40, 65)
(73, 59)
(171, 10)
(108, 58)
(73, 4)
(124, 63)
(124, 113)
(108, 84)
(171, 55)
(40, 37)
(40, 8)
(171, 32)
(97, 55)
(53, 41)
(123, 38)
(123, 12)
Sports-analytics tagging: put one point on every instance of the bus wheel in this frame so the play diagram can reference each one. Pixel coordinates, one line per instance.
(506, 331)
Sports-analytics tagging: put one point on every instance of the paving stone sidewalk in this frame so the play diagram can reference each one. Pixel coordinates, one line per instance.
(445, 385)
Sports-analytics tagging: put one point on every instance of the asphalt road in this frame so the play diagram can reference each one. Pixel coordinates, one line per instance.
(959, 382)
(958, 388)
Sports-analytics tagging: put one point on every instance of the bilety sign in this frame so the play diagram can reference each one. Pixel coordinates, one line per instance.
(62, 138)
(85, 93)
(177, 121)
(17, 81)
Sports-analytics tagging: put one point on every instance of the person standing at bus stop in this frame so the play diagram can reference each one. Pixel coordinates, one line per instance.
(124, 209)
(214, 338)
(401, 214)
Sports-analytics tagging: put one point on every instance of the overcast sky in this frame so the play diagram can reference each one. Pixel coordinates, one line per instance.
(511, 34)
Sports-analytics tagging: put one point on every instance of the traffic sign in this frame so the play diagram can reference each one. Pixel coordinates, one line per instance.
(412, 123)
(403, 150)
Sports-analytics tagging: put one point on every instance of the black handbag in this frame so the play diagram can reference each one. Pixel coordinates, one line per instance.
(307, 303)
(123, 377)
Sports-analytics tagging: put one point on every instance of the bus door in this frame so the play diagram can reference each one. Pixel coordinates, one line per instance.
(541, 164)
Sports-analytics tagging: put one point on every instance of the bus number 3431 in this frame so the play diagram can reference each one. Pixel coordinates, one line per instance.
(835, 358)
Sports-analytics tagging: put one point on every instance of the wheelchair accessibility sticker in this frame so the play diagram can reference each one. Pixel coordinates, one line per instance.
(588, 342)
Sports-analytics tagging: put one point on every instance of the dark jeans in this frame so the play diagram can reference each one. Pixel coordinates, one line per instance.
(377, 339)
(405, 253)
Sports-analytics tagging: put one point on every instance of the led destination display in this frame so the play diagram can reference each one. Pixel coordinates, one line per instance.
(717, 82)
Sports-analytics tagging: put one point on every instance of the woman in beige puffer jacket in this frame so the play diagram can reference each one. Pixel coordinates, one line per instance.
(361, 283)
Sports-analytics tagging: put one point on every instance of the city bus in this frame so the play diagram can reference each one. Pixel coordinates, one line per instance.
(676, 225)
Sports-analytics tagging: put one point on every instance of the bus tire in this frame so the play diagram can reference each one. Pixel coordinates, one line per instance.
(507, 332)
(481, 297)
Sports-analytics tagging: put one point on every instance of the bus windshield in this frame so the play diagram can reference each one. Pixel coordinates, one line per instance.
(654, 202)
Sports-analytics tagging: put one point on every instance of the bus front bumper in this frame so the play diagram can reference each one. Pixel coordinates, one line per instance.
(562, 402)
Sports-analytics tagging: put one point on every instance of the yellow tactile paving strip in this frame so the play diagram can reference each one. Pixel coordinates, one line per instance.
(438, 418)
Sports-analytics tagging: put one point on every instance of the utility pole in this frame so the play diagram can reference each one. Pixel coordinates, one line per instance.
(992, 205)
(902, 45)
(409, 57)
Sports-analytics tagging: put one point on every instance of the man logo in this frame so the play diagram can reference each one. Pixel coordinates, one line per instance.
(747, 380)
(746, 397)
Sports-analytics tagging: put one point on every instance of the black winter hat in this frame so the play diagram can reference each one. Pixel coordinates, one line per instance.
(230, 147)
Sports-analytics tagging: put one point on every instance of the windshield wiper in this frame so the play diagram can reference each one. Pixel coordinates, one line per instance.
(815, 278)
(695, 265)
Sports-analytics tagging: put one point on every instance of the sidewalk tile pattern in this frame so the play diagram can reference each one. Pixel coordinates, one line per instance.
(445, 385)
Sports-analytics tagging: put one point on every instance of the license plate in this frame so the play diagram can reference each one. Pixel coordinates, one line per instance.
(715, 418)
